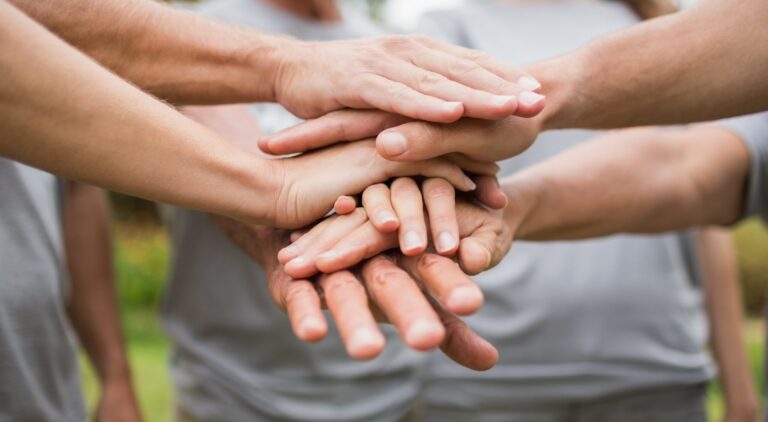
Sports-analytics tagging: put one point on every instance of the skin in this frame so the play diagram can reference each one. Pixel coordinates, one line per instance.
(720, 278)
(418, 295)
(659, 180)
(379, 291)
(725, 81)
(189, 60)
(117, 137)
(93, 308)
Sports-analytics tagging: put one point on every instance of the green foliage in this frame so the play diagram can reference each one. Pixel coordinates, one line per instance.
(752, 248)
(142, 263)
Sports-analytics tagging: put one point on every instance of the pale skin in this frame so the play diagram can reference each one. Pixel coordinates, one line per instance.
(93, 307)
(723, 77)
(188, 60)
(91, 126)
(418, 295)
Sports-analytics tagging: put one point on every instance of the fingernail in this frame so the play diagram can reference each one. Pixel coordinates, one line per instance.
(361, 341)
(469, 183)
(287, 253)
(310, 328)
(412, 240)
(446, 242)
(386, 216)
(298, 261)
(528, 83)
(328, 254)
(451, 106)
(393, 143)
(464, 299)
(502, 100)
(530, 98)
(424, 335)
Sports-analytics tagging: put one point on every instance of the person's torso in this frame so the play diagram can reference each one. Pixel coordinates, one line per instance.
(38, 365)
(235, 356)
(571, 319)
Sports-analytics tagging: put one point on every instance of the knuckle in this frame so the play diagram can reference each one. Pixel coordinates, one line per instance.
(428, 261)
(380, 278)
(438, 189)
(429, 81)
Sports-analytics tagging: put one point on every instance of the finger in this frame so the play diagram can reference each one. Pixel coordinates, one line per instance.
(489, 192)
(473, 166)
(296, 235)
(345, 204)
(477, 103)
(378, 206)
(446, 282)
(484, 248)
(419, 141)
(300, 300)
(396, 97)
(304, 265)
(338, 126)
(436, 167)
(527, 105)
(440, 199)
(297, 246)
(463, 345)
(403, 303)
(348, 303)
(366, 241)
(406, 200)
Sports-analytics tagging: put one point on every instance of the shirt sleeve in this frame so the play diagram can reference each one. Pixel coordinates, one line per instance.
(753, 131)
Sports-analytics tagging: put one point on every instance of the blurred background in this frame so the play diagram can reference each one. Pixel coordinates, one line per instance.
(142, 256)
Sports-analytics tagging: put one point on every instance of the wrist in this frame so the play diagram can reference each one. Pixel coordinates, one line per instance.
(266, 58)
(523, 194)
(562, 81)
(274, 57)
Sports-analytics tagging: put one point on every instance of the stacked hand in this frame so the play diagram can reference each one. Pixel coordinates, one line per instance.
(349, 262)
(386, 288)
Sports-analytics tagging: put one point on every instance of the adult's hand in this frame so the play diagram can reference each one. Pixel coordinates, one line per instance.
(409, 75)
(402, 140)
(343, 241)
(384, 289)
(304, 188)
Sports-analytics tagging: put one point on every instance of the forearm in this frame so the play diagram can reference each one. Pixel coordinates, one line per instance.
(696, 65)
(86, 124)
(719, 276)
(170, 53)
(643, 180)
(93, 307)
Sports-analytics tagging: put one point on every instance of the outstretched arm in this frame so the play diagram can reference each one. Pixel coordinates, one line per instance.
(189, 60)
(700, 64)
(640, 180)
(84, 123)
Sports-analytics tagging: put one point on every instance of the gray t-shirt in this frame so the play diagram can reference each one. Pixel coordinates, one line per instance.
(753, 131)
(235, 357)
(572, 320)
(39, 376)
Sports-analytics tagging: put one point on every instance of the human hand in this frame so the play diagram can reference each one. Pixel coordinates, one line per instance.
(304, 188)
(399, 139)
(342, 241)
(409, 75)
(310, 184)
(384, 289)
(118, 402)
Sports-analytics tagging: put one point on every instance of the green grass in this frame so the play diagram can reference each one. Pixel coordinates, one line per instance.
(148, 353)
